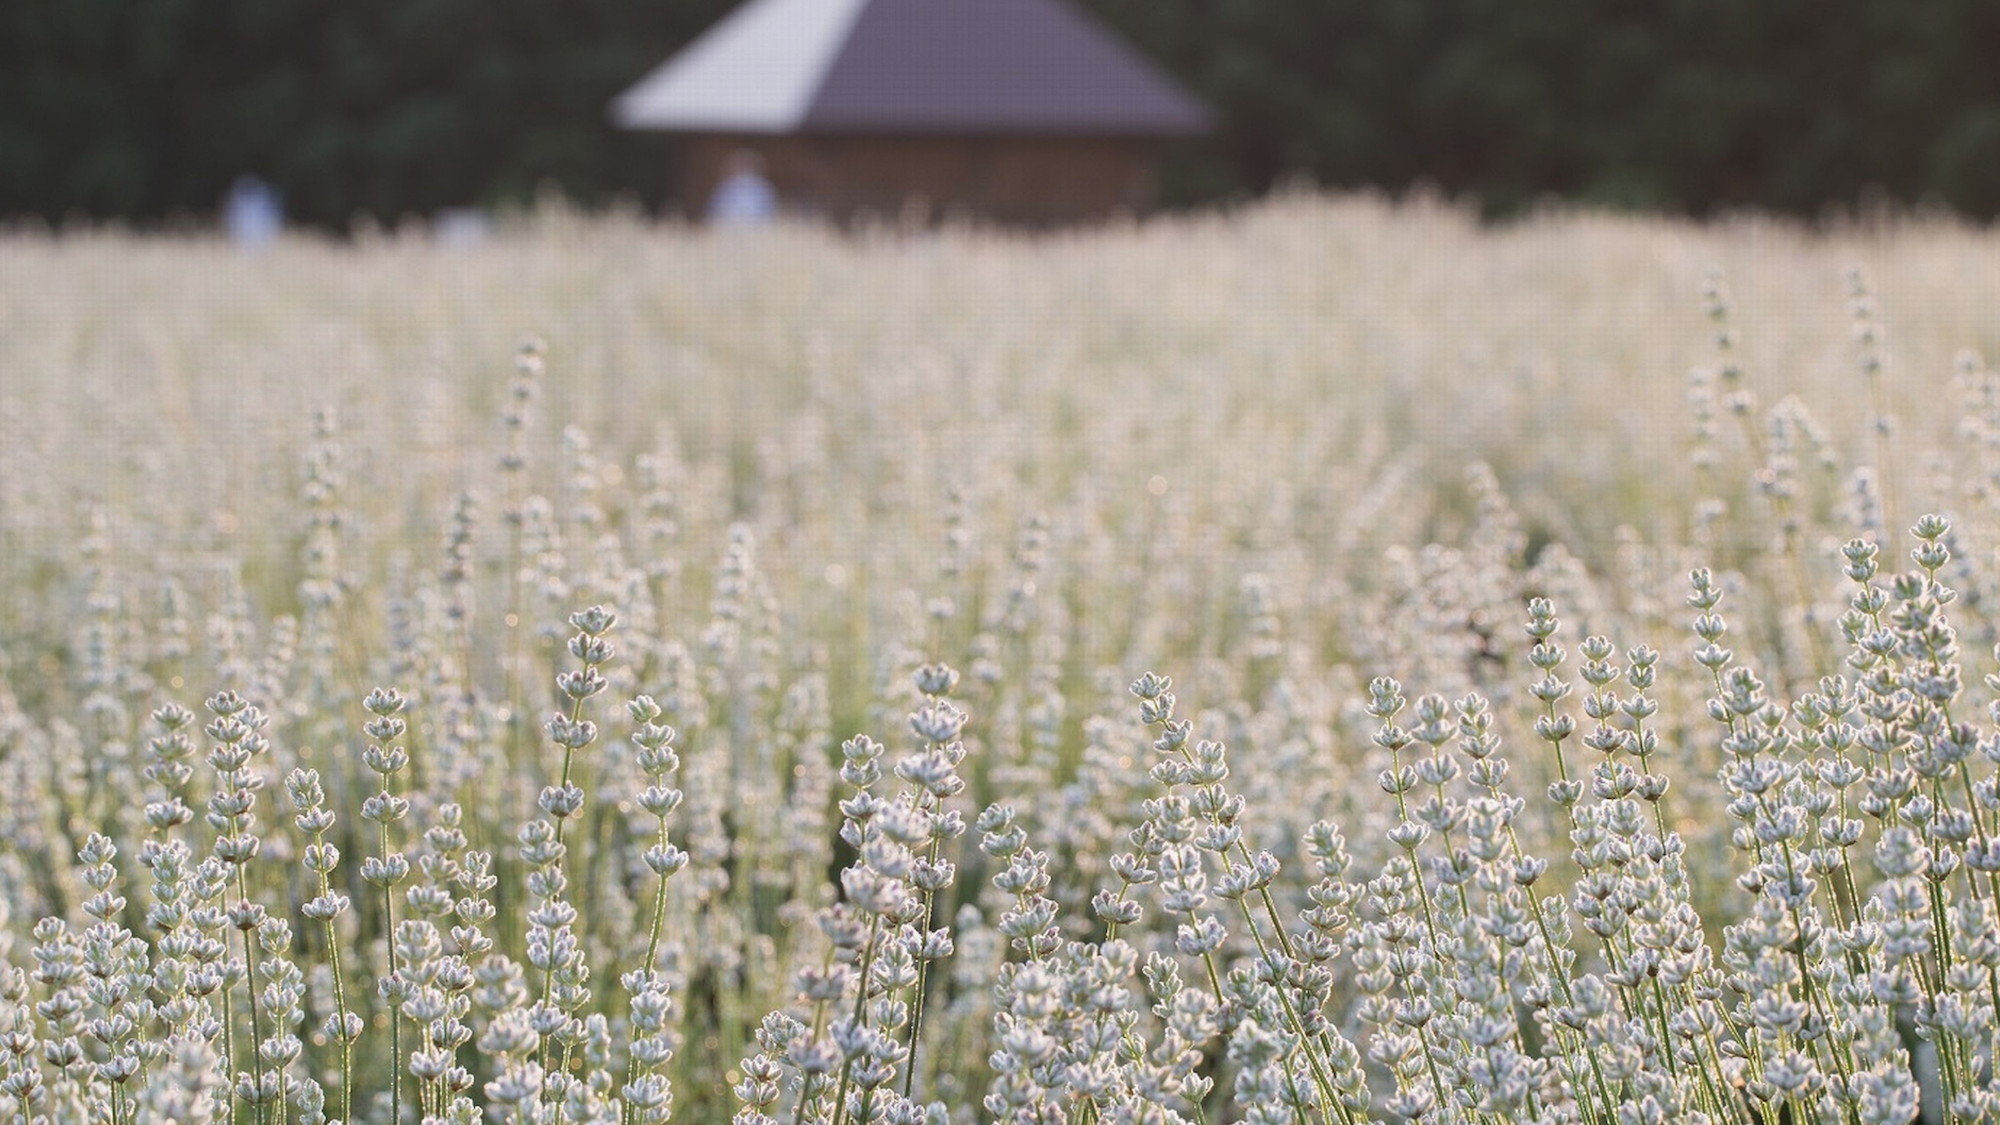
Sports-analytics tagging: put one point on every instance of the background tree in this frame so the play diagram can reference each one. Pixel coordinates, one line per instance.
(388, 107)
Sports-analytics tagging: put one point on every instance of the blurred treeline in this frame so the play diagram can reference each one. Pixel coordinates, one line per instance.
(149, 108)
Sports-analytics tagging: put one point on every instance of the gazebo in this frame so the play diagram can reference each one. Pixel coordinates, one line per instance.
(1018, 110)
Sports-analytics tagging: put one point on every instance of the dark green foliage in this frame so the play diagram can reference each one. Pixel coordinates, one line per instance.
(1691, 105)
(149, 109)
(152, 108)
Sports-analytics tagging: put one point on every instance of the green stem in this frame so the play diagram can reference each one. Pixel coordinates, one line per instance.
(395, 1016)
(256, 1019)
(339, 999)
(569, 757)
(652, 956)
(860, 1014)
(917, 1002)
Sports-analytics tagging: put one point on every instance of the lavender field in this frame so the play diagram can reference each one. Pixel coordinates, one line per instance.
(1331, 662)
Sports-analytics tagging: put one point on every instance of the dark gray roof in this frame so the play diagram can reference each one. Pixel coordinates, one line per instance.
(910, 66)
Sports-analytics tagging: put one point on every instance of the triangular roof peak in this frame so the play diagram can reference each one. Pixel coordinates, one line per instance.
(910, 66)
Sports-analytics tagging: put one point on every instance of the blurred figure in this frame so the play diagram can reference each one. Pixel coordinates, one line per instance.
(252, 213)
(744, 197)
(461, 228)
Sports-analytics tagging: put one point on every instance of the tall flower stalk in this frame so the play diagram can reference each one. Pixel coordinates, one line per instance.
(388, 867)
(554, 947)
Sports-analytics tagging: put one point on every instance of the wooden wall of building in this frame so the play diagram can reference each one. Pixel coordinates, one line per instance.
(1029, 180)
